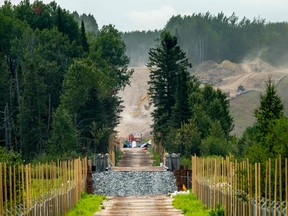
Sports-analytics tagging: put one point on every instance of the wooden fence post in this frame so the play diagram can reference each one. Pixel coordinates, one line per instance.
(275, 187)
(286, 184)
(280, 183)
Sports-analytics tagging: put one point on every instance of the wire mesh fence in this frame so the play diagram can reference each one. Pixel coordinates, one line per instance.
(242, 188)
(42, 189)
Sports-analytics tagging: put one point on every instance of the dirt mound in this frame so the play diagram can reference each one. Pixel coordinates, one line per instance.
(213, 73)
(206, 66)
(227, 68)
(257, 65)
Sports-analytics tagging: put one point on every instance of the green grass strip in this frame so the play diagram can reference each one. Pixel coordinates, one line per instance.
(190, 205)
(87, 206)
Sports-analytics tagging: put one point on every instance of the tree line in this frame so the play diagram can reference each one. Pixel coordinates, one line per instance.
(194, 119)
(59, 84)
(218, 37)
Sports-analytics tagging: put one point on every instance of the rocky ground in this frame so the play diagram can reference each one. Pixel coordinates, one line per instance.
(135, 176)
(115, 183)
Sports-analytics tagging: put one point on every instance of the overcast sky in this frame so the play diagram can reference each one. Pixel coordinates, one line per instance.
(130, 15)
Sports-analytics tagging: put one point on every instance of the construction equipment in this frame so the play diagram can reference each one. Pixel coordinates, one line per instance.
(137, 109)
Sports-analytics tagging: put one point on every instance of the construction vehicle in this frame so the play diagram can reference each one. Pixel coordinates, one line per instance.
(137, 109)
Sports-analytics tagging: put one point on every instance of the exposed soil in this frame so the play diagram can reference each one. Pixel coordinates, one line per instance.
(159, 205)
(136, 159)
(228, 76)
(131, 95)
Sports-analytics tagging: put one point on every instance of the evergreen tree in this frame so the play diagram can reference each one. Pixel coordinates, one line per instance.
(84, 42)
(270, 108)
(181, 110)
(166, 63)
(32, 109)
(109, 53)
(64, 136)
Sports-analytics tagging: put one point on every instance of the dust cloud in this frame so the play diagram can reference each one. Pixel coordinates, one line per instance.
(132, 96)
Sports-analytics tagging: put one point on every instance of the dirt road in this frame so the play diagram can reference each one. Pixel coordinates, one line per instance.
(139, 206)
(138, 160)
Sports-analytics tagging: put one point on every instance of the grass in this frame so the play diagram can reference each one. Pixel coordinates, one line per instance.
(118, 155)
(87, 206)
(190, 205)
(156, 158)
(282, 91)
(242, 110)
(242, 107)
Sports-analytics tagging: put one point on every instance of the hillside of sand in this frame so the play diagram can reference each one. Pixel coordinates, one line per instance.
(242, 82)
(131, 96)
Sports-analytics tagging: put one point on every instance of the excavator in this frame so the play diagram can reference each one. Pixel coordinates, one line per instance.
(137, 110)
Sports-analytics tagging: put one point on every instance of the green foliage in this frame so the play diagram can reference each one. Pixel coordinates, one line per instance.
(32, 109)
(87, 206)
(81, 78)
(84, 41)
(189, 204)
(219, 211)
(215, 143)
(167, 63)
(216, 37)
(188, 139)
(277, 137)
(45, 68)
(209, 106)
(186, 162)
(64, 136)
(10, 158)
(266, 138)
(270, 108)
(91, 25)
(156, 159)
(118, 156)
(108, 52)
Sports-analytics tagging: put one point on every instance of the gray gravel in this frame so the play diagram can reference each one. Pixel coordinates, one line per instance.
(115, 183)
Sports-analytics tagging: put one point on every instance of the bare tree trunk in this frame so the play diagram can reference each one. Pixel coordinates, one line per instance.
(7, 124)
(49, 112)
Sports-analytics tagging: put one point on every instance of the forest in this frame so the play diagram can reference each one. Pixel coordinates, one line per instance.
(59, 82)
(216, 37)
(60, 76)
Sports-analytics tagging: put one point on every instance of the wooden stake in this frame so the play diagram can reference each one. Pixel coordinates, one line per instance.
(266, 187)
(5, 188)
(259, 186)
(275, 187)
(10, 187)
(270, 190)
(1, 189)
(286, 184)
(280, 182)
(215, 174)
(256, 189)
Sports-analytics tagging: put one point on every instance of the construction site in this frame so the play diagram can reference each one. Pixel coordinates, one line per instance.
(242, 82)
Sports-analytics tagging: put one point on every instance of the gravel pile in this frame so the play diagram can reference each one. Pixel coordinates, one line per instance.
(115, 183)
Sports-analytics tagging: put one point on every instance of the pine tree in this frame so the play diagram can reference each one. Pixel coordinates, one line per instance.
(270, 108)
(167, 64)
(84, 42)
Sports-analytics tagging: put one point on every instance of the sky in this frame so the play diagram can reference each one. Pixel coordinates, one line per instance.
(131, 15)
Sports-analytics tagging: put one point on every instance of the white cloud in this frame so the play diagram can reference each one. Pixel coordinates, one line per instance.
(151, 19)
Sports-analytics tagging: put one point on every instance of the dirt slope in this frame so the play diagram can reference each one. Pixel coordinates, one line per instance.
(227, 76)
(131, 96)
